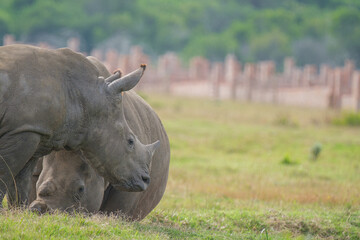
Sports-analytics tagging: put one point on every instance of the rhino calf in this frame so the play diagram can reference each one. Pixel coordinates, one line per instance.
(67, 183)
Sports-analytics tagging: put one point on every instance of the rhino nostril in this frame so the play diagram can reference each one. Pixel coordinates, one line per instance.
(146, 179)
(38, 208)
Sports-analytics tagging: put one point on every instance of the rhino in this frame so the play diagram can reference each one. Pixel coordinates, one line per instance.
(52, 100)
(68, 183)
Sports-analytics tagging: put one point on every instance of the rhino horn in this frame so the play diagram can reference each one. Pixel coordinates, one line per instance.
(126, 82)
(46, 189)
(152, 147)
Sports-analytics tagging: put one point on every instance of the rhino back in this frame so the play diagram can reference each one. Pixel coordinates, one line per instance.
(40, 90)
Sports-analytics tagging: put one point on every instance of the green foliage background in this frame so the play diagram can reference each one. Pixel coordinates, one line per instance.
(313, 31)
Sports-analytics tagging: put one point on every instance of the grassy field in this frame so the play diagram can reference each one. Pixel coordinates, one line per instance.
(238, 171)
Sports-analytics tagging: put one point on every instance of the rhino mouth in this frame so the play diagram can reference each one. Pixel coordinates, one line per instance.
(133, 185)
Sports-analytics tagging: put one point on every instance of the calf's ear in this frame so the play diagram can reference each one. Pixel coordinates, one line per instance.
(126, 82)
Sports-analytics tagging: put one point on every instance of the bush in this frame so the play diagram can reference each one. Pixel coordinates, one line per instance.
(348, 119)
(287, 161)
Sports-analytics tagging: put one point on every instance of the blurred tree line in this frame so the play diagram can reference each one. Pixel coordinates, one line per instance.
(313, 31)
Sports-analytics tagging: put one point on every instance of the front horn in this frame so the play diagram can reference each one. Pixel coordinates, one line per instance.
(128, 81)
(152, 147)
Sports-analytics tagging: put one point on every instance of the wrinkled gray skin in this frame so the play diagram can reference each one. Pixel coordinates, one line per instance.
(58, 184)
(53, 100)
(68, 183)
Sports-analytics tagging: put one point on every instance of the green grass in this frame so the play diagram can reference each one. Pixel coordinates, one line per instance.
(348, 119)
(238, 171)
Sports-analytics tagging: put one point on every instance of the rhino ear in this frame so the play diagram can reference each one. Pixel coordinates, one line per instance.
(117, 74)
(127, 82)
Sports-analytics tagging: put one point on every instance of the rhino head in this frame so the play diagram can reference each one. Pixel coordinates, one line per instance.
(111, 147)
(67, 183)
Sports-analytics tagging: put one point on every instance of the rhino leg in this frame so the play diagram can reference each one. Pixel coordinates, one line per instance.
(15, 153)
(20, 192)
(34, 179)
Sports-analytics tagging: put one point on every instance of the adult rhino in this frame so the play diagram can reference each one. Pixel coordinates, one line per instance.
(56, 99)
(67, 182)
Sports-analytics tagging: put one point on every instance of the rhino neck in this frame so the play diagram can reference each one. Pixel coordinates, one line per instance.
(85, 106)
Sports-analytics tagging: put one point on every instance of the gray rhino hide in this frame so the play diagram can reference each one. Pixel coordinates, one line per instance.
(32, 109)
(147, 126)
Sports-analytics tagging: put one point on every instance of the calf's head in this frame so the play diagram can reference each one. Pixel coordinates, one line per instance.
(112, 148)
(67, 183)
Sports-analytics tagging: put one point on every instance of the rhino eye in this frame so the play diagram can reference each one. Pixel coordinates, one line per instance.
(81, 189)
(130, 142)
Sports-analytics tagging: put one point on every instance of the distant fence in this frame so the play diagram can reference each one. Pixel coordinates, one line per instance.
(325, 87)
